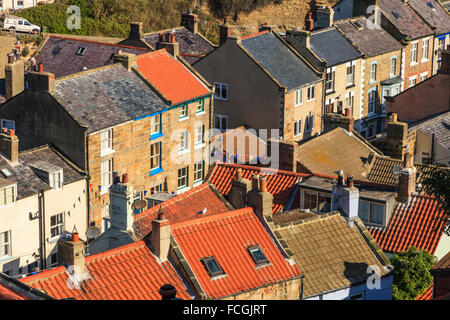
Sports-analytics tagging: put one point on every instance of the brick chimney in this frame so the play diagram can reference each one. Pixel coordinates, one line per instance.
(189, 20)
(335, 120)
(298, 38)
(445, 62)
(136, 31)
(259, 198)
(345, 198)
(168, 41)
(225, 31)
(396, 137)
(407, 179)
(160, 238)
(265, 27)
(239, 189)
(324, 16)
(14, 76)
(167, 292)
(121, 201)
(309, 22)
(9, 145)
(127, 59)
(42, 81)
(70, 252)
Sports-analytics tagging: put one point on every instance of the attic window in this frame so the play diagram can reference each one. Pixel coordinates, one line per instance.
(357, 25)
(6, 172)
(212, 266)
(56, 179)
(187, 40)
(396, 14)
(257, 255)
(81, 51)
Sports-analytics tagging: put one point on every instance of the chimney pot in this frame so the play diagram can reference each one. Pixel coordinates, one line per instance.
(350, 181)
(75, 237)
(11, 132)
(10, 58)
(41, 67)
(167, 292)
(125, 178)
(263, 184)
(239, 173)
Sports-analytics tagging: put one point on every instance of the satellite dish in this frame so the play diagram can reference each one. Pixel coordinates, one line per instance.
(93, 233)
(397, 170)
(139, 204)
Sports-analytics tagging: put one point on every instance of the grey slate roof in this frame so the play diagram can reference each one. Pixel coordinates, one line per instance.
(436, 16)
(439, 126)
(190, 44)
(58, 55)
(408, 22)
(371, 42)
(107, 97)
(283, 64)
(28, 182)
(331, 46)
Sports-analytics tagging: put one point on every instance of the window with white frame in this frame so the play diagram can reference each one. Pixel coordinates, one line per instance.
(56, 180)
(221, 91)
(329, 81)
(5, 243)
(183, 111)
(200, 134)
(372, 100)
(371, 212)
(155, 156)
(156, 189)
(311, 92)
(423, 76)
(198, 171)
(441, 44)
(425, 47)
(349, 101)
(7, 195)
(386, 93)
(309, 123)
(56, 225)
(106, 141)
(106, 218)
(393, 66)
(298, 97)
(414, 52)
(221, 122)
(106, 172)
(373, 72)
(183, 140)
(183, 174)
(350, 73)
(297, 128)
(155, 124)
(412, 81)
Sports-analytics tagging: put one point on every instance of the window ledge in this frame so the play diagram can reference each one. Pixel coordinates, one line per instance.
(220, 276)
(328, 92)
(184, 151)
(298, 105)
(200, 113)
(311, 100)
(156, 136)
(197, 183)
(199, 146)
(53, 240)
(412, 64)
(350, 86)
(155, 171)
(6, 258)
(104, 190)
(221, 99)
(183, 119)
(183, 190)
(371, 82)
(104, 153)
(424, 60)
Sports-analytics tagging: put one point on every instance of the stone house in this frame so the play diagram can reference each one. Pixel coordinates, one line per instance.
(262, 82)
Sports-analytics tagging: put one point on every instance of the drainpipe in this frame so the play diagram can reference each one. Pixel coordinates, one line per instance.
(301, 287)
(432, 148)
(43, 246)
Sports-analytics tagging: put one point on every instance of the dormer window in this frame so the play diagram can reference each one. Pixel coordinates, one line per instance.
(51, 174)
(257, 255)
(212, 267)
(56, 179)
(81, 51)
(371, 212)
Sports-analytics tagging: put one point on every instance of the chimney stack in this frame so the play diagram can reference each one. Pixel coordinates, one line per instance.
(127, 59)
(239, 189)
(160, 239)
(9, 145)
(14, 77)
(167, 292)
(407, 179)
(396, 141)
(445, 62)
(345, 198)
(42, 81)
(336, 120)
(190, 21)
(121, 201)
(70, 252)
(169, 43)
(265, 27)
(298, 38)
(136, 31)
(259, 198)
(225, 31)
(324, 17)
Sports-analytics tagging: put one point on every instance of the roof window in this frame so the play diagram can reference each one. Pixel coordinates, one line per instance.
(81, 51)
(257, 255)
(187, 40)
(212, 266)
(396, 15)
(6, 172)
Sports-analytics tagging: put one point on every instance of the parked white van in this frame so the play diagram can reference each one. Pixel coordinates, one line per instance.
(20, 24)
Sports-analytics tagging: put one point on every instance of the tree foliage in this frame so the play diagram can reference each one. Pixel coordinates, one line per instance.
(411, 273)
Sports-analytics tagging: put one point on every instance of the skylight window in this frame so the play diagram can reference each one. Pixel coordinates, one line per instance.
(257, 255)
(81, 51)
(187, 40)
(212, 267)
(357, 24)
(396, 14)
(430, 5)
(6, 172)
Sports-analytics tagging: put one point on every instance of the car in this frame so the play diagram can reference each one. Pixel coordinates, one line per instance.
(20, 24)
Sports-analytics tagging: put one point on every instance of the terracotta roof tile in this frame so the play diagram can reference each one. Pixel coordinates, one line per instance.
(186, 206)
(170, 77)
(226, 236)
(427, 294)
(279, 183)
(128, 272)
(419, 223)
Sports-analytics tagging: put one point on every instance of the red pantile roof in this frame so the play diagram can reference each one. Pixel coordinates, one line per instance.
(419, 223)
(7, 293)
(427, 294)
(170, 77)
(186, 206)
(279, 183)
(130, 272)
(226, 236)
